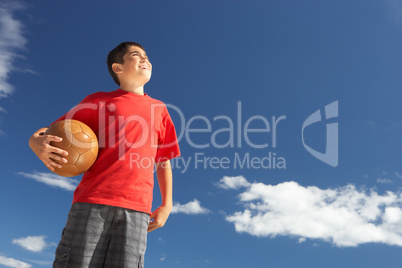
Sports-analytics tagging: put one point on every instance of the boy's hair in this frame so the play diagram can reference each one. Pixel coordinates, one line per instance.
(116, 56)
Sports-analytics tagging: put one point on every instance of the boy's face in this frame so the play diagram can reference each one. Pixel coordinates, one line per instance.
(136, 67)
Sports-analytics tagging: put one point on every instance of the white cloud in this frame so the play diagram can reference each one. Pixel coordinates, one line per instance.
(31, 243)
(51, 179)
(301, 240)
(163, 257)
(192, 207)
(343, 216)
(384, 180)
(11, 39)
(42, 263)
(233, 183)
(394, 9)
(10, 262)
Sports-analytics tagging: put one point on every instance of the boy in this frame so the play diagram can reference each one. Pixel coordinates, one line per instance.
(111, 211)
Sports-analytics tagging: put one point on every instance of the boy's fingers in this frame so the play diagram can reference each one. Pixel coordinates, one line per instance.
(49, 167)
(152, 223)
(50, 138)
(55, 162)
(53, 149)
(57, 158)
(52, 165)
(59, 151)
(151, 227)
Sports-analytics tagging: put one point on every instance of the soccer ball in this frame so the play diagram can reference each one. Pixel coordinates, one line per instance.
(79, 141)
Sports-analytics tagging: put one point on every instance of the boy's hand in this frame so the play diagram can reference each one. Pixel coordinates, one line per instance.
(159, 217)
(161, 214)
(40, 145)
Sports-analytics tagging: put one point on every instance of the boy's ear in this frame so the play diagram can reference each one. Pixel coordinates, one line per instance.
(117, 68)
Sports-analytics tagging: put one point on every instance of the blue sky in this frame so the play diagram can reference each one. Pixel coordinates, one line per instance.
(227, 70)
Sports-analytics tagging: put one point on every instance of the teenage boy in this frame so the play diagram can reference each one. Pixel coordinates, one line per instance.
(111, 212)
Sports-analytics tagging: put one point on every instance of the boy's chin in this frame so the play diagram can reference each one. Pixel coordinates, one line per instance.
(143, 79)
(146, 79)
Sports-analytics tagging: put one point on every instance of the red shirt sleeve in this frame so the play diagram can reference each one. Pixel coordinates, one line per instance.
(168, 147)
(86, 111)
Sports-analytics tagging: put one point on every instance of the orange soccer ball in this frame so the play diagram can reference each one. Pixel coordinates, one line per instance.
(79, 141)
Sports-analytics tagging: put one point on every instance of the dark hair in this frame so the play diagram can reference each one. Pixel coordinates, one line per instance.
(116, 56)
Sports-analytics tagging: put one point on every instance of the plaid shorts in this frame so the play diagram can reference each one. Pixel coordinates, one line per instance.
(102, 236)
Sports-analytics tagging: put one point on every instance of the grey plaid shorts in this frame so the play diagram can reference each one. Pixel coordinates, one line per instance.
(102, 236)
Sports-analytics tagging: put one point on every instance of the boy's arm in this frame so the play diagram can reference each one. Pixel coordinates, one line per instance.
(161, 214)
(40, 145)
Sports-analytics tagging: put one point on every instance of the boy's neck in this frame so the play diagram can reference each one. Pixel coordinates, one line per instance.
(135, 90)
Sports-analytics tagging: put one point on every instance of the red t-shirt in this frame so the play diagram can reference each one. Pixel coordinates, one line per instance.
(134, 131)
